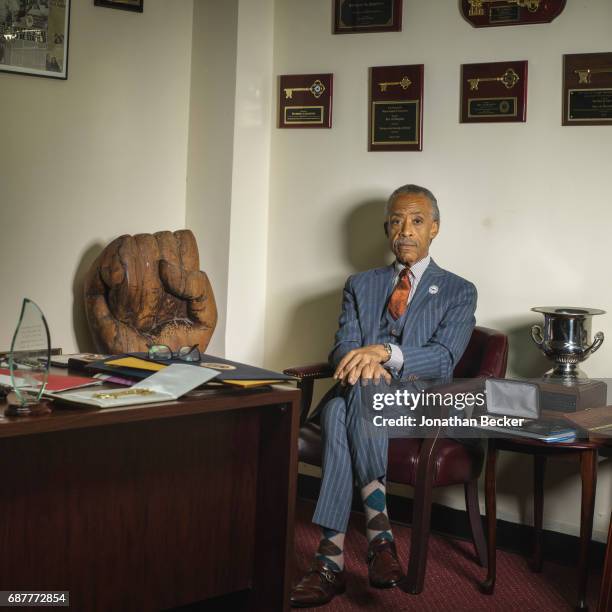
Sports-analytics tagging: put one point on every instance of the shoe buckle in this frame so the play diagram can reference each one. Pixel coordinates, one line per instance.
(328, 574)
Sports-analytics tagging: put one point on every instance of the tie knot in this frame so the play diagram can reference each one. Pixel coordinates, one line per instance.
(405, 273)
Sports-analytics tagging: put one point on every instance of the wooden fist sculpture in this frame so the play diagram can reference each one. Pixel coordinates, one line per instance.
(147, 289)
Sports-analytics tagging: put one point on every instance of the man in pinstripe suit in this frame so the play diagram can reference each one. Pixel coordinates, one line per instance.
(411, 321)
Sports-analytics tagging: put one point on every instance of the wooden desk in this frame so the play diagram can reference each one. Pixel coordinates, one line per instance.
(152, 507)
(587, 452)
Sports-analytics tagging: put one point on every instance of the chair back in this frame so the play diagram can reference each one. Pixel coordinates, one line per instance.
(486, 355)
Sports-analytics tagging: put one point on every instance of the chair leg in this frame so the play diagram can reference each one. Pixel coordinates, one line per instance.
(473, 510)
(421, 518)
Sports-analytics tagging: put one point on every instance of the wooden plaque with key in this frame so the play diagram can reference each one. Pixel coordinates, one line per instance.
(587, 89)
(490, 13)
(305, 101)
(396, 108)
(494, 92)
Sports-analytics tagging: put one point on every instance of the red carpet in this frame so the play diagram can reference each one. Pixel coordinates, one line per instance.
(452, 576)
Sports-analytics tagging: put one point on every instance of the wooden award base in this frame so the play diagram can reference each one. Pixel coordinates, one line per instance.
(15, 408)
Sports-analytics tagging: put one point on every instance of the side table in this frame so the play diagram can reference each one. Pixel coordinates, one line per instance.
(605, 594)
(587, 453)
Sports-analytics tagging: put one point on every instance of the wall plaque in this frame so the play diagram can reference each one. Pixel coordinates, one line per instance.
(494, 92)
(352, 16)
(396, 108)
(305, 101)
(587, 89)
(488, 13)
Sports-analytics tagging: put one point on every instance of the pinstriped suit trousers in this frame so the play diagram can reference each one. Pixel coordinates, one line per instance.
(350, 453)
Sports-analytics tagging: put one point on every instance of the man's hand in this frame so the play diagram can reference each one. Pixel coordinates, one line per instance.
(353, 365)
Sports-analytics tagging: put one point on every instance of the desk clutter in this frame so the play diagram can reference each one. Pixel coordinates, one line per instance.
(168, 384)
(137, 379)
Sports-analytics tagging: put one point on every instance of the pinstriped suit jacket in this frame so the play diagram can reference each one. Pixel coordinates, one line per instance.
(436, 329)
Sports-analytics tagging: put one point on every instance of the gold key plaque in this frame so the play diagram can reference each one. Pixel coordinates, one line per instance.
(316, 89)
(494, 91)
(488, 13)
(509, 79)
(587, 89)
(396, 108)
(305, 101)
(404, 84)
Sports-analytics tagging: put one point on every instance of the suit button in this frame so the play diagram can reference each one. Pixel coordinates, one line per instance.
(394, 332)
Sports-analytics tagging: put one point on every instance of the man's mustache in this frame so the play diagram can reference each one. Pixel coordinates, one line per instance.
(402, 242)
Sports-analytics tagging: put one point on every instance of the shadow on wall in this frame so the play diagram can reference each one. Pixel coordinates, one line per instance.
(79, 320)
(311, 326)
(366, 245)
(525, 360)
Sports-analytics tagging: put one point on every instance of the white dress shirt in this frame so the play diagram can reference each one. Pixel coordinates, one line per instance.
(415, 273)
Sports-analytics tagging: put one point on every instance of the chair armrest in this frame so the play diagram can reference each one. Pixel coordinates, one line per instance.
(313, 371)
(306, 376)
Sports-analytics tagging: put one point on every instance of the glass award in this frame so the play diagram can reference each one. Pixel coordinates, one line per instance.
(29, 362)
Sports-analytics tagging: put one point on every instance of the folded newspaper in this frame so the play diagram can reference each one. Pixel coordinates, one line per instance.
(167, 385)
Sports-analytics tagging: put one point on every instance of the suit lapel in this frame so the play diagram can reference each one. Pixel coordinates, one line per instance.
(421, 299)
(378, 297)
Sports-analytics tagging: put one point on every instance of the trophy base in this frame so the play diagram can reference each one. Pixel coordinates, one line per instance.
(566, 373)
(15, 408)
(562, 395)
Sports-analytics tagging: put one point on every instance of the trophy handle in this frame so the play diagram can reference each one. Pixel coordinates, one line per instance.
(537, 335)
(599, 338)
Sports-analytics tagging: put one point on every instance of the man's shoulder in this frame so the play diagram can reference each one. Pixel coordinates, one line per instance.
(451, 278)
(359, 278)
(433, 271)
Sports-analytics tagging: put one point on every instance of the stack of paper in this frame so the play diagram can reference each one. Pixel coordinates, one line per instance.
(167, 385)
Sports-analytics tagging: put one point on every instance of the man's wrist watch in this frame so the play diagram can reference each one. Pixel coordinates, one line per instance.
(387, 347)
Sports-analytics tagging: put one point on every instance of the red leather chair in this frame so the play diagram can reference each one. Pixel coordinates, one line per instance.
(423, 463)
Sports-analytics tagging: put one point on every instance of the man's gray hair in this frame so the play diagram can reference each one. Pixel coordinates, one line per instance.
(411, 190)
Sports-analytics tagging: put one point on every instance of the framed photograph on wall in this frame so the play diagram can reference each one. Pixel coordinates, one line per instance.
(124, 5)
(34, 37)
(351, 16)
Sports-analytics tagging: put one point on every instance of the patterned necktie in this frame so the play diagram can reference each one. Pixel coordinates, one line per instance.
(398, 301)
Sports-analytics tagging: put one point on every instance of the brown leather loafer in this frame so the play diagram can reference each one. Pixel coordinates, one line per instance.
(318, 586)
(384, 569)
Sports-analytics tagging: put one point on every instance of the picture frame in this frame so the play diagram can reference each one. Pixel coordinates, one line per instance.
(34, 37)
(352, 17)
(136, 6)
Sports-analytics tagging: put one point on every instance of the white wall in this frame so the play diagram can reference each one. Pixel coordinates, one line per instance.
(246, 305)
(85, 160)
(229, 159)
(526, 208)
(211, 145)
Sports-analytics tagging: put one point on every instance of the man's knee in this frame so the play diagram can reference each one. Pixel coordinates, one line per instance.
(333, 414)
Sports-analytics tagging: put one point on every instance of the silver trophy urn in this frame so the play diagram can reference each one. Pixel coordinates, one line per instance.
(565, 339)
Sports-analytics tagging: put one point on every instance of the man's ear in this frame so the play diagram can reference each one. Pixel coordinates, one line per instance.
(386, 226)
(435, 228)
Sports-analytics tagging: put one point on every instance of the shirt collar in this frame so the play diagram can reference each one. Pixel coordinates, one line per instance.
(416, 270)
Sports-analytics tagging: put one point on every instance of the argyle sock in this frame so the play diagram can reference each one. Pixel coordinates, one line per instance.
(330, 549)
(375, 505)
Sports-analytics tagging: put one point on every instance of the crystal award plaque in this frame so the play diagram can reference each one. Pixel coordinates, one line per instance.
(29, 361)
